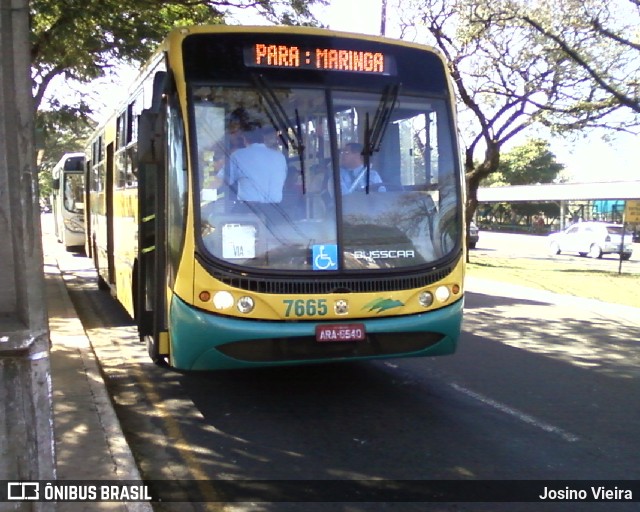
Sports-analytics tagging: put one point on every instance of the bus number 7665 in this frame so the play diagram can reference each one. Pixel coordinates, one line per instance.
(305, 307)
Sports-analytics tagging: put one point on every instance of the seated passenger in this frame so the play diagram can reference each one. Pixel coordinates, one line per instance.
(213, 177)
(353, 173)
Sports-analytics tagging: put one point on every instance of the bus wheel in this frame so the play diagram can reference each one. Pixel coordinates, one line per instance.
(102, 284)
(152, 350)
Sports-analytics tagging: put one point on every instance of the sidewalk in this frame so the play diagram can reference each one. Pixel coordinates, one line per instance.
(89, 442)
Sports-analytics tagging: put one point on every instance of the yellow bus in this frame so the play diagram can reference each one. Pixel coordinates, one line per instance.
(282, 195)
(67, 200)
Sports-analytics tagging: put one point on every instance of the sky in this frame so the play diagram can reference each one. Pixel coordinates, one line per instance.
(587, 158)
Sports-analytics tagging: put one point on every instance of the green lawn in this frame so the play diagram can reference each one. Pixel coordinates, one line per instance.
(559, 277)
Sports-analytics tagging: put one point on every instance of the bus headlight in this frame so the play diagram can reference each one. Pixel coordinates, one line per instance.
(442, 293)
(222, 300)
(425, 299)
(245, 304)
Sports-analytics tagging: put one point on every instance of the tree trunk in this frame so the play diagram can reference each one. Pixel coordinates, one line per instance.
(474, 174)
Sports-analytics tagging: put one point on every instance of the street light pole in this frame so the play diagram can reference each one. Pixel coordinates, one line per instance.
(383, 18)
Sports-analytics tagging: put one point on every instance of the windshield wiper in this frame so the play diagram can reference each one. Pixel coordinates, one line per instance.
(374, 133)
(289, 134)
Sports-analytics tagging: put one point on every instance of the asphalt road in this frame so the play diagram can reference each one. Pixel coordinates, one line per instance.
(539, 389)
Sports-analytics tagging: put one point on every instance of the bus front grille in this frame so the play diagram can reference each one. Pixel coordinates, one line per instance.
(299, 286)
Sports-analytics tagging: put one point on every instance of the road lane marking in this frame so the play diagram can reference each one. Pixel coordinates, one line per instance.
(526, 418)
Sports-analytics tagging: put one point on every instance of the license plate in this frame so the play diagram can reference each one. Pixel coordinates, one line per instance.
(340, 332)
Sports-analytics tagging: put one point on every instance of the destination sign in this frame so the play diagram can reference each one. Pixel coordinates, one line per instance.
(325, 59)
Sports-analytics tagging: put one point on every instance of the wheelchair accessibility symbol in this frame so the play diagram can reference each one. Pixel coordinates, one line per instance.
(325, 257)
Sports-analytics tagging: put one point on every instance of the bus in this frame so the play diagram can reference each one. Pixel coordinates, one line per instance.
(67, 201)
(236, 251)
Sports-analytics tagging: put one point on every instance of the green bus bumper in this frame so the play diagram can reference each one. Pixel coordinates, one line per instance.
(205, 341)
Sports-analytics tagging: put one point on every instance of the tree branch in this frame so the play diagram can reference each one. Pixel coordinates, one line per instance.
(577, 58)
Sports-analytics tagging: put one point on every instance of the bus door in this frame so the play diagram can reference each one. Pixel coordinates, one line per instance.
(151, 268)
(110, 214)
(88, 246)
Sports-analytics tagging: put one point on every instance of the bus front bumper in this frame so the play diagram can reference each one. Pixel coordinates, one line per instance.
(205, 341)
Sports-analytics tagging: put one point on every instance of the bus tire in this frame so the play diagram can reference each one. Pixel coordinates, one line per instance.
(152, 350)
(102, 284)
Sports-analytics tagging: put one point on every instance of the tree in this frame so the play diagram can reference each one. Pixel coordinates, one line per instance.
(81, 39)
(502, 75)
(528, 164)
(602, 39)
(507, 75)
(61, 131)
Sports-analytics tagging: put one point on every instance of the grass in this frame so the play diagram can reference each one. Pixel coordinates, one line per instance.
(559, 277)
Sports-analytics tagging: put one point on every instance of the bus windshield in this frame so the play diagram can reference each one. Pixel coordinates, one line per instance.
(73, 192)
(324, 179)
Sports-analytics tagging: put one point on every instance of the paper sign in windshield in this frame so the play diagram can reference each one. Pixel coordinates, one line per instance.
(238, 241)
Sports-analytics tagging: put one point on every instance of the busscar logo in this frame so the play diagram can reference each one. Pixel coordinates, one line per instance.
(383, 255)
(23, 491)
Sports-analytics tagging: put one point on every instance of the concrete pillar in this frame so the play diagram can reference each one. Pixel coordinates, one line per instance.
(26, 430)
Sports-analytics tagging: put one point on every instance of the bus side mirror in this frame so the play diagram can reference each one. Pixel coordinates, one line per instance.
(56, 183)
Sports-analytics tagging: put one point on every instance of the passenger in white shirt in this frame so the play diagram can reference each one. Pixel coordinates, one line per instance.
(257, 172)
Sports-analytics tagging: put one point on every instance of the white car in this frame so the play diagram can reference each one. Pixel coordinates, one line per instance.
(593, 239)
